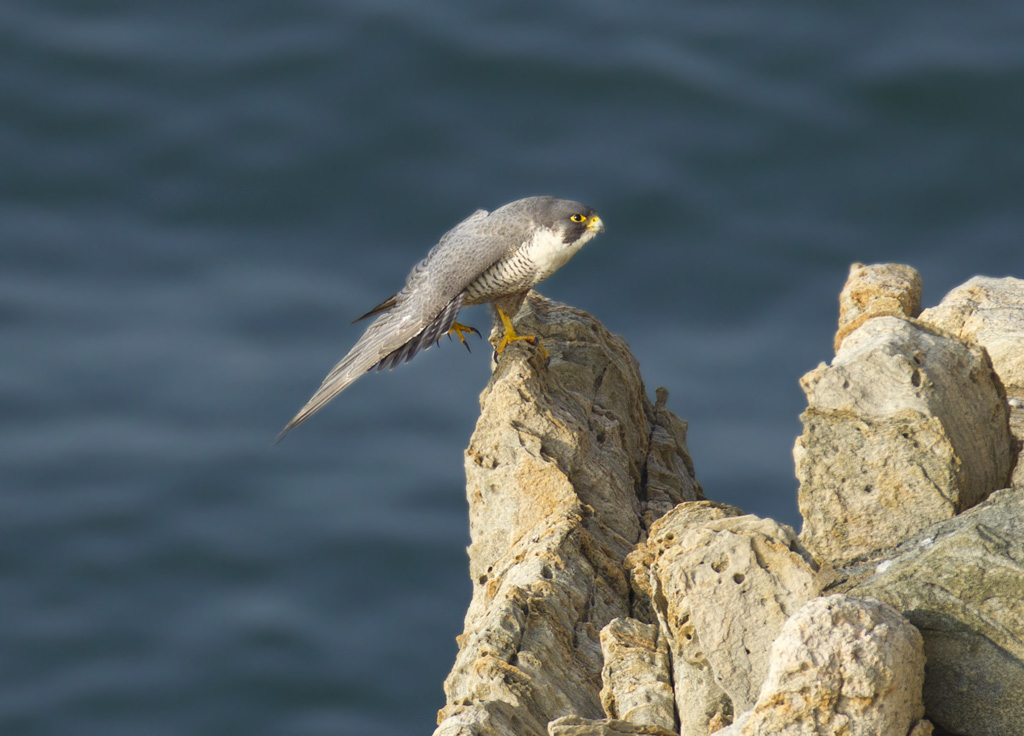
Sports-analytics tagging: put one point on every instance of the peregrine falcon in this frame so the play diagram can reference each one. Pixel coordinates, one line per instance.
(490, 257)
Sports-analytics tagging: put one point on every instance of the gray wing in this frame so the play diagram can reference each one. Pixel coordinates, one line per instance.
(424, 309)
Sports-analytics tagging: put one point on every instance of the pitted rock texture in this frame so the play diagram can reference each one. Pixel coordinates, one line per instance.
(840, 666)
(904, 428)
(722, 585)
(557, 473)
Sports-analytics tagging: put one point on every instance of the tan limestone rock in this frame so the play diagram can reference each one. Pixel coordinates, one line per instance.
(887, 289)
(840, 666)
(961, 583)
(637, 674)
(923, 727)
(722, 585)
(608, 599)
(556, 474)
(990, 312)
(906, 427)
(576, 726)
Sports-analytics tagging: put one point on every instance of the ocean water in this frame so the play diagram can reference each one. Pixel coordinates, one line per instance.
(197, 198)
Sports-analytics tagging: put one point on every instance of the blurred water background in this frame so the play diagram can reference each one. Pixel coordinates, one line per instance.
(196, 198)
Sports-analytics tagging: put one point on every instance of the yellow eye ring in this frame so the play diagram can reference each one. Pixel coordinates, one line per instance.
(577, 218)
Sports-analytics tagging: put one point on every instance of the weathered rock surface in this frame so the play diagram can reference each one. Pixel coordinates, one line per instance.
(876, 291)
(637, 674)
(576, 726)
(722, 585)
(990, 312)
(923, 728)
(840, 666)
(556, 474)
(961, 583)
(610, 599)
(905, 428)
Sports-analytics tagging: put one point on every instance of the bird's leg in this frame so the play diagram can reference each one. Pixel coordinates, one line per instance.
(511, 336)
(458, 329)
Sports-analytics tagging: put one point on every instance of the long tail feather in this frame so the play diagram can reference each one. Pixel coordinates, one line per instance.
(385, 344)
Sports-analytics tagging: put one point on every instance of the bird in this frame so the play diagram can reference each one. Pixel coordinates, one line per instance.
(490, 257)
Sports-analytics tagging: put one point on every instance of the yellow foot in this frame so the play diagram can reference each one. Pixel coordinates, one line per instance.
(511, 336)
(459, 329)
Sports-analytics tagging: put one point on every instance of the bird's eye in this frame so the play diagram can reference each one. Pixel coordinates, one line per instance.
(577, 218)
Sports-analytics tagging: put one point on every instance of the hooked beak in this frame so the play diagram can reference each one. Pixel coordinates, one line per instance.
(595, 225)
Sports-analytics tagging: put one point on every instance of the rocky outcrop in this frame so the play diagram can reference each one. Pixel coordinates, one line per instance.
(610, 598)
(721, 585)
(637, 674)
(877, 291)
(906, 427)
(961, 583)
(990, 313)
(840, 666)
(567, 462)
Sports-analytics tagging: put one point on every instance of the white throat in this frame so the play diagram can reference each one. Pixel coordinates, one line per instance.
(549, 253)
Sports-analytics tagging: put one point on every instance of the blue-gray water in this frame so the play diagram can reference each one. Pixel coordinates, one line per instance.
(196, 198)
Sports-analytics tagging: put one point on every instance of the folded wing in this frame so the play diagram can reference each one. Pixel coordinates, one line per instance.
(422, 312)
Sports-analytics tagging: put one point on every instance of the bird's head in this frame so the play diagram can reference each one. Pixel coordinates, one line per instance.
(575, 222)
(583, 223)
